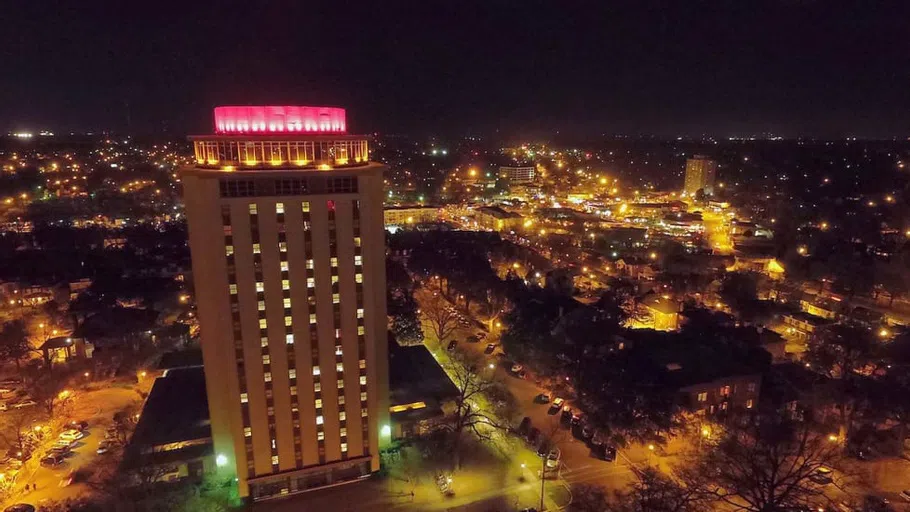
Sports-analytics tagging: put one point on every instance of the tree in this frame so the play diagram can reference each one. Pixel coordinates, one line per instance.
(16, 426)
(48, 388)
(475, 412)
(442, 317)
(14, 342)
(407, 330)
(740, 291)
(766, 466)
(844, 353)
(682, 491)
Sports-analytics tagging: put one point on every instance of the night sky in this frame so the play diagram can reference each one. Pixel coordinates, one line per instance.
(686, 67)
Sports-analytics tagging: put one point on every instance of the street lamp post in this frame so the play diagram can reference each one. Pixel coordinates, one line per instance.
(543, 479)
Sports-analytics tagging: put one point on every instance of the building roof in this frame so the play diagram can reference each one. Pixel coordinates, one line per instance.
(666, 306)
(58, 342)
(411, 207)
(808, 318)
(177, 410)
(498, 212)
(415, 376)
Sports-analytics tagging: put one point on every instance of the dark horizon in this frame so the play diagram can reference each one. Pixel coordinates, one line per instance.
(790, 68)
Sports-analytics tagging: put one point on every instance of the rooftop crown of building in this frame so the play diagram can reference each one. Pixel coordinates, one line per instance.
(279, 119)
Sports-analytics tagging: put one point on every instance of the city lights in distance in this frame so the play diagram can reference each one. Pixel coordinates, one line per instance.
(279, 119)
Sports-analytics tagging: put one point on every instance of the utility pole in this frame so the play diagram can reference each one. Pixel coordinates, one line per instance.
(543, 479)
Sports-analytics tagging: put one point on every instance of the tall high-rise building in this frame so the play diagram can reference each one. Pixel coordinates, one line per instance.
(701, 172)
(288, 248)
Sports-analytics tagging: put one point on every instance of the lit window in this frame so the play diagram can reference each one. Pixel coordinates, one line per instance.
(703, 397)
(725, 391)
(260, 287)
(244, 398)
(344, 447)
(317, 387)
(319, 420)
(228, 250)
(253, 209)
(305, 206)
(285, 284)
(359, 312)
(289, 339)
(247, 432)
(336, 298)
(334, 261)
(339, 367)
(283, 246)
(337, 350)
(337, 334)
(363, 363)
(287, 302)
(268, 376)
(358, 278)
(293, 390)
(356, 241)
(358, 260)
(264, 341)
(343, 431)
(312, 318)
(288, 321)
(340, 384)
(319, 403)
(279, 207)
(749, 403)
(363, 396)
(233, 289)
(256, 249)
(315, 371)
(363, 380)
(284, 266)
(751, 387)
(261, 305)
(263, 323)
(274, 460)
(320, 436)
(292, 373)
(363, 412)
(340, 399)
(334, 279)
(360, 330)
(265, 359)
(309, 264)
(310, 282)
(342, 416)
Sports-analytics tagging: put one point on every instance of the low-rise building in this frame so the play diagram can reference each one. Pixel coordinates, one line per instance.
(664, 311)
(820, 307)
(404, 216)
(420, 391)
(496, 219)
(802, 325)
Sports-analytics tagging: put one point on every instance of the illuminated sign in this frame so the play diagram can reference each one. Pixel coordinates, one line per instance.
(279, 119)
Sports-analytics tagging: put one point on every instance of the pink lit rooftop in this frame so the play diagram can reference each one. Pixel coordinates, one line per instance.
(279, 119)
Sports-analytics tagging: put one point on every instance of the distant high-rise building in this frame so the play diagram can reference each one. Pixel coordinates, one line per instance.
(518, 175)
(701, 172)
(288, 249)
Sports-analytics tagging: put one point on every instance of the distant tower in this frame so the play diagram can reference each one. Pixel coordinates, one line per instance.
(701, 172)
(288, 249)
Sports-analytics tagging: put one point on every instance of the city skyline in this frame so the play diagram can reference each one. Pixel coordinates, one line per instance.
(788, 68)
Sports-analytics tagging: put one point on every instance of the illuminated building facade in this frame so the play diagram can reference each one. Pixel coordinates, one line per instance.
(701, 172)
(523, 175)
(286, 233)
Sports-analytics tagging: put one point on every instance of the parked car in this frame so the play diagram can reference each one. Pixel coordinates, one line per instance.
(553, 458)
(4, 406)
(543, 449)
(873, 503)
(20, 507)
(81, 426)
(481, 335)
(905, 494)
(565, 418)
(62, 444)
(490, 348)
(576, 418)
(603, 451)
(25, 403)
(543, 398)
(452, 345)
(104, 446)
(71, 435)
(516, 368)
(472, 339)
(52, 460)
(556, 406)
(822, 476)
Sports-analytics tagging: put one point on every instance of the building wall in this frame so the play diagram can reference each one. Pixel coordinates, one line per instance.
(288, 327)
(406, 216)
(700, 174)
(518, 175)
(724, 395)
